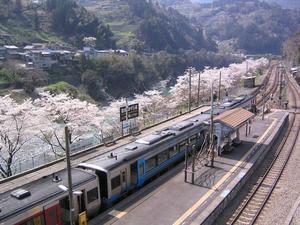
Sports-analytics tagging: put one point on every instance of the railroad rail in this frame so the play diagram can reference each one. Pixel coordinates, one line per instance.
(268, 91)
(251, 208)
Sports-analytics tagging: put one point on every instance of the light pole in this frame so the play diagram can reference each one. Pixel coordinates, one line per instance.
(264, 102)
(279, 69)
(211, 135)
(70, 189)
(219, 94)
(198, 93)
(190, 88)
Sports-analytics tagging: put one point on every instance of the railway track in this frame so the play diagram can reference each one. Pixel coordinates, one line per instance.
(250, 209)
(270, 90)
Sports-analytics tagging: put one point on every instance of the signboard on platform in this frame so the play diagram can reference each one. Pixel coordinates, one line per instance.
(132, 112)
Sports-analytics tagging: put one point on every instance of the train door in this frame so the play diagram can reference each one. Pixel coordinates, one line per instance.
(81, 202)
(141, 172)
(124, 180)
(52, 215)
(133, 174)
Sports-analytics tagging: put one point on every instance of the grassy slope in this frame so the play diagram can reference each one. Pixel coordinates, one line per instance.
(115, 13)
(20, 27)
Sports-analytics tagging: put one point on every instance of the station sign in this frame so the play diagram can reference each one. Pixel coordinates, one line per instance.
(132, 112)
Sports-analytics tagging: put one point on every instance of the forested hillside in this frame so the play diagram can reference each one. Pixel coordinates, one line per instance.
(56, 21)
(249, 26)
(144, 25)
(291, 49)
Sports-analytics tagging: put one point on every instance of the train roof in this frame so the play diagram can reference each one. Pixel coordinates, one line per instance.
(147, 144)
(38, 192)
(232, 103)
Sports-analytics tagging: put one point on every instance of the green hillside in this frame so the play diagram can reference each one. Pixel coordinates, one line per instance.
(249, 26)
(291, 49)
(54, 21)
(143, 25)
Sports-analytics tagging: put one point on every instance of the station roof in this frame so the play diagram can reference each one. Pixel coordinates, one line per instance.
(234, 118)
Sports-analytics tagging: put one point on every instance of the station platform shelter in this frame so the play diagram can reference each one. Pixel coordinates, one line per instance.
(227, 128)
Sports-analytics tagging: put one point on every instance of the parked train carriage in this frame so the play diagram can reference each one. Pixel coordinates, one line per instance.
(130, 166)
(245, 101)
(43, 201)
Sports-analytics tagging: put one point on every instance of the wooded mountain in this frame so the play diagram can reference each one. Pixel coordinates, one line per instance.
(291, 49)
(144, 25)
(249, 26)
(290, 4)
(61, 22)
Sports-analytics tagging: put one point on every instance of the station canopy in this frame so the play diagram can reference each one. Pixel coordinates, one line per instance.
(234, 118)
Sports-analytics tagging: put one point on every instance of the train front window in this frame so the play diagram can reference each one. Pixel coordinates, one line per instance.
(92, 195)
(115, 182)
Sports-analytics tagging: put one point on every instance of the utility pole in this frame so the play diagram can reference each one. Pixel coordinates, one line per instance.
(127, 114)
(211, 136)
(70, 189)
(198, 93)
(264, 102)
(219, 94)
(190, 88)
(280, 88)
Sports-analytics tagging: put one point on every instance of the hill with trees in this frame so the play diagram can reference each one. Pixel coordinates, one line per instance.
(145, 25)
(291, 49)
(249, 26)
(55, 21)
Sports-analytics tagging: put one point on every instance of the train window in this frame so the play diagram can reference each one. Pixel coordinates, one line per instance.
(141, 170)
(115, 182)
(92, 195)
(193, 138)
(64, 203)
(150, 163)
(182, 145)
(173, 151)
(163, 156)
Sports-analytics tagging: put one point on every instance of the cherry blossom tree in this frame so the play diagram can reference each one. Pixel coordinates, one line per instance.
(44, 118)
(11, 142)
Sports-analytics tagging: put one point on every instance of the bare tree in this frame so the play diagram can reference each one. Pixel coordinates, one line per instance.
(55, 139)
(11, 142)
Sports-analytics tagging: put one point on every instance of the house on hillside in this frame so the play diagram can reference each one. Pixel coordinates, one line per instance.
(91, 53)
(47, 58)
(2, 53)
(12, 51)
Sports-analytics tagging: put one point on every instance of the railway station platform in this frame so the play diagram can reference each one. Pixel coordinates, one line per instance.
(169, 200)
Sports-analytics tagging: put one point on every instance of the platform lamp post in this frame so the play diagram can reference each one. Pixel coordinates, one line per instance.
(280, 71)
(198, 91)
(70, 189)
(190, 89)
(211, 135)
(264, 102)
